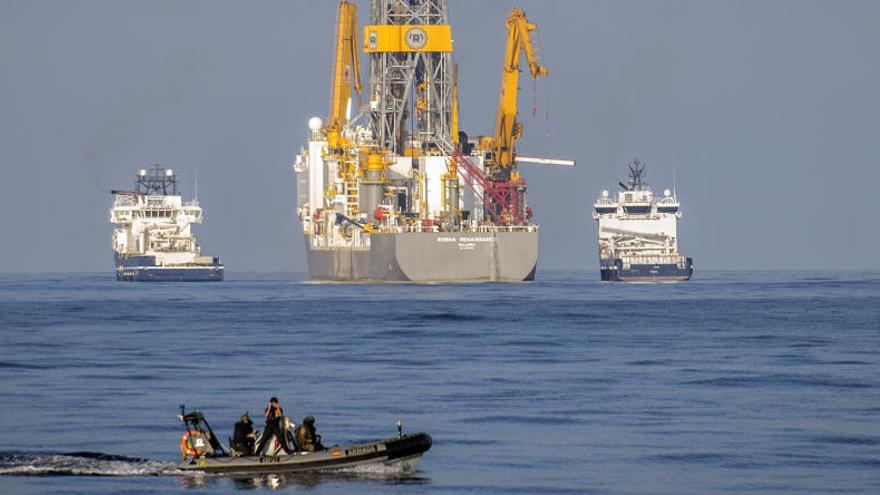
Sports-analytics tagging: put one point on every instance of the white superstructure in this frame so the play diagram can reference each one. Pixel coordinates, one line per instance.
(636, 227)
(154, 221)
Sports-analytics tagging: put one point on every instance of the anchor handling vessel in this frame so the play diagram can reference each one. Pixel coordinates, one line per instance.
(154, 242)
(638, 239)
(396, 192)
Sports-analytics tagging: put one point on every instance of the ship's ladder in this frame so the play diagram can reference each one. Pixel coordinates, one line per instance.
(350, 188)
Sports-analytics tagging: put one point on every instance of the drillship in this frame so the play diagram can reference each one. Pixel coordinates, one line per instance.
(396, 192)
(153, 242)
(637, 234)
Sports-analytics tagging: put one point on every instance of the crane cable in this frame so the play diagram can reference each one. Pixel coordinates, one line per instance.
(546, 83)
(547, 110)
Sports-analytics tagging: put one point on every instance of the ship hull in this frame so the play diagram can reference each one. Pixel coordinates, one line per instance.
(429, 257)
(144, 269)
(617, 271)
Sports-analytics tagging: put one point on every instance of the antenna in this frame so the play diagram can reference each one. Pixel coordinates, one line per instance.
(636, 173)
(196, 186)
(674, 195)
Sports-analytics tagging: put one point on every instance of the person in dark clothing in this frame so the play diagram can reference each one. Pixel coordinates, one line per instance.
(307, 438)
(274, 415)
(243, 438)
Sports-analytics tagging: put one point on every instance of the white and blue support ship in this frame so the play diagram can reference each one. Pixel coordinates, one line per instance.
(154, 241)
(638, 239)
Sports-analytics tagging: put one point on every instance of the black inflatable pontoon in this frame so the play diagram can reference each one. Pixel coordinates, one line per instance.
(203, 452)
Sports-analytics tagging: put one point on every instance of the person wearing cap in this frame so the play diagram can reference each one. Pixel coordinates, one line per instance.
(274, 414)
(243, 438)
(307, 439)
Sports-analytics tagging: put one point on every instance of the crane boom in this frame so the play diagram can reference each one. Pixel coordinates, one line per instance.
(507, 129)
(346, 70)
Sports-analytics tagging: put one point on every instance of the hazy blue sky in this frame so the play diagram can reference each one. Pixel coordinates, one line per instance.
(768, 111)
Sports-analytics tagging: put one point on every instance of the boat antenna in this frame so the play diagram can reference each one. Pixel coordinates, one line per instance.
(196, 186)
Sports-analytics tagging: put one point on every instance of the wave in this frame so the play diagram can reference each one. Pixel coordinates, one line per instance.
(781, 380)
(81, 464)
(400, 470)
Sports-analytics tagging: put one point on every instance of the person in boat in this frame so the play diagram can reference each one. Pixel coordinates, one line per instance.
(307, 439)
(274, 414)
(243, 438)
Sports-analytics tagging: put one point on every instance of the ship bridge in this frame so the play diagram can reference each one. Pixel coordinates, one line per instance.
(154, 220)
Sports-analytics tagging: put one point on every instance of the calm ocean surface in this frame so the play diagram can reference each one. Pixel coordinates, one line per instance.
(735, 382)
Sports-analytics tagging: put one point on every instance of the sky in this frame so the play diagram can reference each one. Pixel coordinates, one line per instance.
(765, 114)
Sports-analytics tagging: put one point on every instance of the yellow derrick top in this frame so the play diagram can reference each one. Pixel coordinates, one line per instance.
(407, 38)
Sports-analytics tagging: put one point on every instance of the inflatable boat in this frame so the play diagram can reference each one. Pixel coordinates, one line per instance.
(202, 451)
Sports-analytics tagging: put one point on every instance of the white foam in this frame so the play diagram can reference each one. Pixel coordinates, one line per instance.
(397, 467)
(86, 464)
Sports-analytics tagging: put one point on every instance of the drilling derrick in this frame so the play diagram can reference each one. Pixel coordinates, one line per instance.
(409, 43)
(390, 193)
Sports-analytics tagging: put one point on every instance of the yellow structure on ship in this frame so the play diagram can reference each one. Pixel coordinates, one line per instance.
(392, 190)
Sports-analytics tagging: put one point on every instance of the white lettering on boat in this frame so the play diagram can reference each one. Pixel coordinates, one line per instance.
(366, 449)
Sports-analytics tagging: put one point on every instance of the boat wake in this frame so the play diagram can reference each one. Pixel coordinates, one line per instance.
(399, 468)
(82, 464)
(100, 464)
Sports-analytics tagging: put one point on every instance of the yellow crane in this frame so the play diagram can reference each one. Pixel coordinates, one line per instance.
(346, 73)
(507, 129)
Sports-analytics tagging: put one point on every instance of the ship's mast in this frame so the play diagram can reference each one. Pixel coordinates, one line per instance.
(411, 81)
(636, 175)
(160, 181)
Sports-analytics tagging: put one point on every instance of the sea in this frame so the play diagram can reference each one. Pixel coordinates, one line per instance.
(733, 382)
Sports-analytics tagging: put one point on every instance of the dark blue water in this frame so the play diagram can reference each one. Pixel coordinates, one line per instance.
(735, 382)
